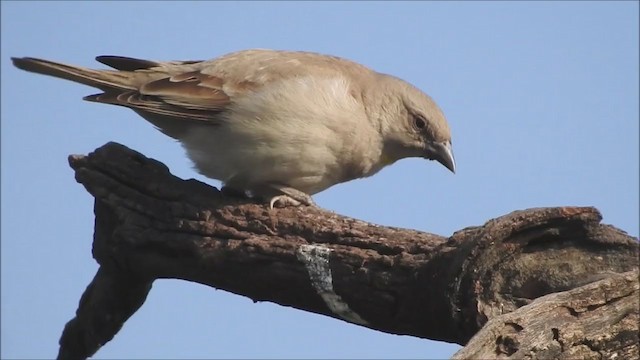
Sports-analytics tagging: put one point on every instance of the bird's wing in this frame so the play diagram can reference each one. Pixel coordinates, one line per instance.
(200, 90)
(176, 89)
(188, 96)
(173, 94)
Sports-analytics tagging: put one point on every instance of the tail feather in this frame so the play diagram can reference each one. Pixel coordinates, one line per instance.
(101, 79)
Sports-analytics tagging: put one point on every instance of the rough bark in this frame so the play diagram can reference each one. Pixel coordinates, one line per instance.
(151, 224)
(595, 321)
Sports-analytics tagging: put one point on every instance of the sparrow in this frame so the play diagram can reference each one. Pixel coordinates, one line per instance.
(276, 125)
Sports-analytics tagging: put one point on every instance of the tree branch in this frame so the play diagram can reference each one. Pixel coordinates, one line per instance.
(595, 321)
(151, 224)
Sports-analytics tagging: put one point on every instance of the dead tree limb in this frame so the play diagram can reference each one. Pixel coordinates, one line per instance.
(594, 321)
(151, 224)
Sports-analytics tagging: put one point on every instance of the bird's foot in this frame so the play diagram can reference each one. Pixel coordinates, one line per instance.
(283, 201)
(283, 196)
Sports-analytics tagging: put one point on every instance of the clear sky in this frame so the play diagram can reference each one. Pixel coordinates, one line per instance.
(542, 98)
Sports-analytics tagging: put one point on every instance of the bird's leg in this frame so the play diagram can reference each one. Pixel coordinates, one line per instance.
(284, 196)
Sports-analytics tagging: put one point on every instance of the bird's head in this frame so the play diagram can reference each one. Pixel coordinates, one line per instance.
(412, 124)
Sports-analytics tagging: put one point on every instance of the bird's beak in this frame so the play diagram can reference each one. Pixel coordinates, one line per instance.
(442, 153)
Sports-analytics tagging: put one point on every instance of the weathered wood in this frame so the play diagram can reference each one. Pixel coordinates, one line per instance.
(595, 321)
(151, 224)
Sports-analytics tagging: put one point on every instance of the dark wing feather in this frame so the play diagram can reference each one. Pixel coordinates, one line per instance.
(126, 63)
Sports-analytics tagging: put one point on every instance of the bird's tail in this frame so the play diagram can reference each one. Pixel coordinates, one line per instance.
(101, 79)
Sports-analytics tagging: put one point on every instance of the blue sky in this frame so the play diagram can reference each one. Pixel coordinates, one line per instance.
(542, 99)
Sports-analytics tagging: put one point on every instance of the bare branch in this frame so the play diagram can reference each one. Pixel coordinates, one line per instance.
(151, 224)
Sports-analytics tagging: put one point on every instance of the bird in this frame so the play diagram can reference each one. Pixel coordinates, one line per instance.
(274, 125)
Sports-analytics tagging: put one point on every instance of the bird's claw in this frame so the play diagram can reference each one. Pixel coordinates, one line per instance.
(283, 201)
(290, 197)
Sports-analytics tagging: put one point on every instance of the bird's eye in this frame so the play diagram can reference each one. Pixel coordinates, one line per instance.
(419, 122)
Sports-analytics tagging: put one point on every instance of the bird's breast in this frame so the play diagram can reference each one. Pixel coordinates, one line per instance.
(307, 133)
